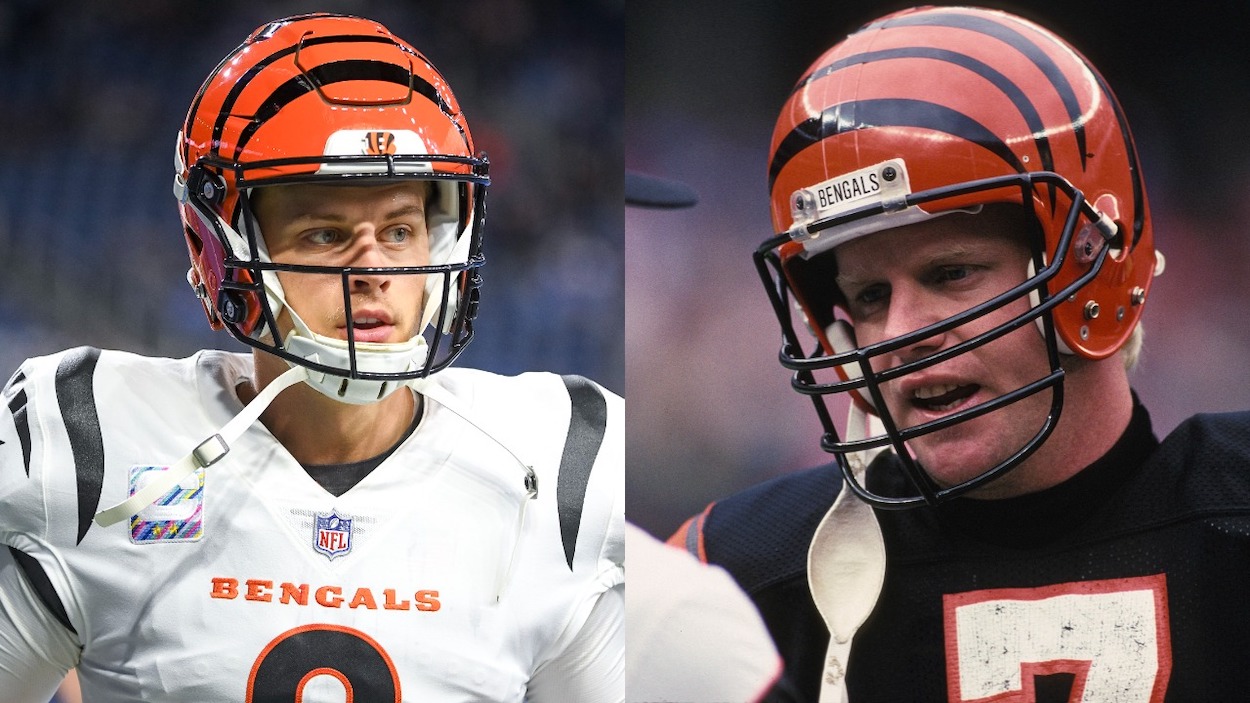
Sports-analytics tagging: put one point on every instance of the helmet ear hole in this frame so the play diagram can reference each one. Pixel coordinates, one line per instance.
(231, 306)
(1109, 206)
(193, 241)
(206, 185)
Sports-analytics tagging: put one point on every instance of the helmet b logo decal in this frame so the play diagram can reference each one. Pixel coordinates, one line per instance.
(379, 143)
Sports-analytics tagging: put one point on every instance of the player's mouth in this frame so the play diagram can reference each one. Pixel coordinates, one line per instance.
(370, 326)
(942, 398)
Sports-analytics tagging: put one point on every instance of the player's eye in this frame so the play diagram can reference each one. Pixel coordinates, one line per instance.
(951, 273)
(868, 299)
(321, 236)
(397, 235)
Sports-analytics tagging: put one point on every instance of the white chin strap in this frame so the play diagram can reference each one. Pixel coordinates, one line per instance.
(846, 564)
(1035, 299)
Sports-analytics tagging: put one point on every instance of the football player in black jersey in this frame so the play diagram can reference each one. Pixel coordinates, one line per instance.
(963, 250)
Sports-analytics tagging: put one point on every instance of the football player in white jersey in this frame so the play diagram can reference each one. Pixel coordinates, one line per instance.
(336, 516)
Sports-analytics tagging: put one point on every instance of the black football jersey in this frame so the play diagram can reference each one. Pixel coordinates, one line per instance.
(1128, 582)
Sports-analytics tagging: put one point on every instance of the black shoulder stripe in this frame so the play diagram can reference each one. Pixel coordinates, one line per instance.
(16, 394)
(39, 581)
(587, 425)
(75, 395)
(17, 380)
(864, 114)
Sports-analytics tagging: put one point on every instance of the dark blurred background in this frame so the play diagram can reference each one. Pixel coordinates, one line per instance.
(710, 408)
(92, 95)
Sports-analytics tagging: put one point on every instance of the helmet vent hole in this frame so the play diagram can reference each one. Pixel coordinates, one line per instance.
(194, 241)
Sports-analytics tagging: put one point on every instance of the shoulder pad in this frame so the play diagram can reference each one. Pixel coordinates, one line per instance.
(50, 401)
(762, 533)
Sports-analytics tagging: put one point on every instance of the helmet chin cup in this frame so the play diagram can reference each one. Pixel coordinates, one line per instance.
(371, 359)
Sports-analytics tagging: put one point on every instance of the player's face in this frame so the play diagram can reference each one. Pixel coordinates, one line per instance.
(900, 280)
(358, 226)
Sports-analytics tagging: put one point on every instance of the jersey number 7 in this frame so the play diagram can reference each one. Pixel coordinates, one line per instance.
(1081, 641)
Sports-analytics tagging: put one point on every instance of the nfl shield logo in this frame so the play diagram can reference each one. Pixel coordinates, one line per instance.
(332, 535)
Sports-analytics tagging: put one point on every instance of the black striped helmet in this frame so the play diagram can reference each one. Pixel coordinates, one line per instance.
(325, 98)
(939, 109)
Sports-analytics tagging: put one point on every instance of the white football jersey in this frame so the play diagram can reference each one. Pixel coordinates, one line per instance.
(694, 636)
(436, 578)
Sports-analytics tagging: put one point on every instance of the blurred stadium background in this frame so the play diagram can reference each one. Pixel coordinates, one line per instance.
(710, 408)
(91, 98)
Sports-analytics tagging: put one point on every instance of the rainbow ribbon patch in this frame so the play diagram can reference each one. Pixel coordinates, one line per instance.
(177, 516)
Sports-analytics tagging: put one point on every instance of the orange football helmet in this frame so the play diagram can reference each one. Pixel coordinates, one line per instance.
(330, 99)
(943, 109)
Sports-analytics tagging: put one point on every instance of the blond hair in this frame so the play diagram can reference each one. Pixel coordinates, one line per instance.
(1131, 351)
